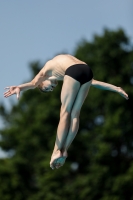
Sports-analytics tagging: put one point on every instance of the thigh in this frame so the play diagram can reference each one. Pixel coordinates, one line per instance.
(69, 92)
(81, 96)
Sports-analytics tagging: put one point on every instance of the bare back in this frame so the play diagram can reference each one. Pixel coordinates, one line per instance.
(65, 61)
(58, 65)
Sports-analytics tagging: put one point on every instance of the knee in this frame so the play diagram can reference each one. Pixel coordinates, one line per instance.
(65, 114)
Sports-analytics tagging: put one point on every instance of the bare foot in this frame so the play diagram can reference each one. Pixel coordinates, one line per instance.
(60, 161)
(55, 156)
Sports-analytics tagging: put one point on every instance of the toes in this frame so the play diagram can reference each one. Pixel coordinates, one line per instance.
(57, 163)
(51, 166)
(60, 162)
(58, 166)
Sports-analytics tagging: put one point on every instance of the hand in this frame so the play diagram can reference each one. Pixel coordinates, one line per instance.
(123, 93)
(12, 90)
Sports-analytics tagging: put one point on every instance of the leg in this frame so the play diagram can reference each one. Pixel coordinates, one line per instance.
(82, 94)
(74, 125)
(69, 92)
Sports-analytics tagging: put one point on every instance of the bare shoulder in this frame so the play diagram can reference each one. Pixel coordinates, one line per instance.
(47, 67)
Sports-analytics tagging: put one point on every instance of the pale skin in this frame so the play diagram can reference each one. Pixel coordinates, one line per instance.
(73, 96)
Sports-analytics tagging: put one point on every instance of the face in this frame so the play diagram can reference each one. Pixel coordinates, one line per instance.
(48, 85)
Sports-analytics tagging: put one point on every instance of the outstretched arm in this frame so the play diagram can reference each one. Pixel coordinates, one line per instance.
(107, 86)
(34, 83)
(26, 86)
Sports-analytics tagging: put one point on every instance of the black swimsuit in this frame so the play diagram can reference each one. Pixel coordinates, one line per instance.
(80, 72)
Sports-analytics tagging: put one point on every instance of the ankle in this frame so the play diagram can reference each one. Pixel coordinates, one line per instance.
(64, 153)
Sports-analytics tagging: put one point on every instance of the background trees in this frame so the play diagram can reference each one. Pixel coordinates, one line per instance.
(100, 162)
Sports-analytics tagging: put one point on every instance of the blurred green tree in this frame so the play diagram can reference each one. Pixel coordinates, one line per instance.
(100, 162)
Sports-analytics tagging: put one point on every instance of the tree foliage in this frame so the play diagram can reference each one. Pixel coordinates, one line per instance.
(100, 161)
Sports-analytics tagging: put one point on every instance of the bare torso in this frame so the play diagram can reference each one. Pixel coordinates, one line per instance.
(57, 66)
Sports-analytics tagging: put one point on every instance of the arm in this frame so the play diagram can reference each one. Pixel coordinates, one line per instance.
(104, 86)
(26, 86)
(107, 86)
(34, 83)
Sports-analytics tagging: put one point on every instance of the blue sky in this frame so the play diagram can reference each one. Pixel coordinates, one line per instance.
(32, 30)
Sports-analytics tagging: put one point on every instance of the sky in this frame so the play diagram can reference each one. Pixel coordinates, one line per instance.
(32, 30)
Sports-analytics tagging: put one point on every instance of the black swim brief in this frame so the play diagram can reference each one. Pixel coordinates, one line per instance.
(80, 72)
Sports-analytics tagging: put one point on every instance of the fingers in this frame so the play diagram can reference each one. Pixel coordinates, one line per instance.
(127, 97)
(8, 87)
(12, 90)
(7, 94)
(18, 94)
(124, 94)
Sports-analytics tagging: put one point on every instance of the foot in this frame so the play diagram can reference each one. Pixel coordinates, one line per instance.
(60, 161)
(55, 156)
